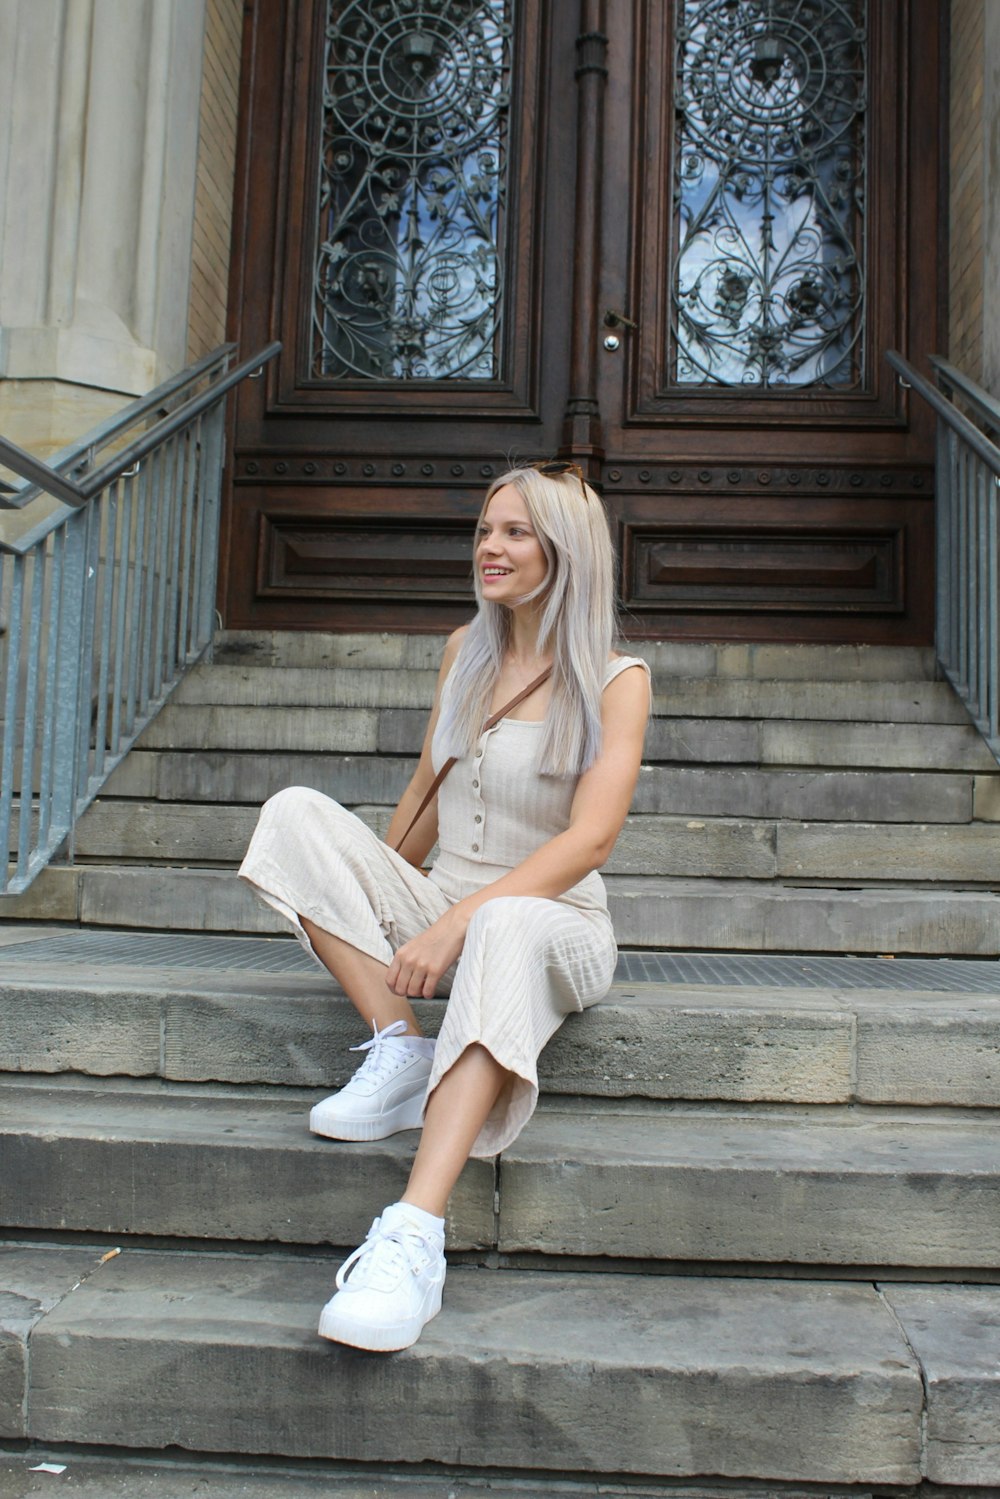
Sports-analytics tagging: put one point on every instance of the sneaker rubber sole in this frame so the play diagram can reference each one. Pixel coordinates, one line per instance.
(405, 1115)
(338, 1327)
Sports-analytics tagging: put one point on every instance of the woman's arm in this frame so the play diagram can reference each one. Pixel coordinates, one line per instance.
(600, 806)
(421, 840)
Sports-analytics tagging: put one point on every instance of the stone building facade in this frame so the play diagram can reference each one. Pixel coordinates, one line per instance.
(116, 178)
(117, 169)
(973, 196)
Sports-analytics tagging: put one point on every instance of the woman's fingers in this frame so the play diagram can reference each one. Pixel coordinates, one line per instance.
(419, 965)
(411, 979)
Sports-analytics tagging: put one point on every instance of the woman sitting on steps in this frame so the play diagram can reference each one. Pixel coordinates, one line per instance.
(512, 922)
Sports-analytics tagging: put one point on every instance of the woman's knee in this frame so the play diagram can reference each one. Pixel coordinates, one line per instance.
(297, 801)
(505, 917)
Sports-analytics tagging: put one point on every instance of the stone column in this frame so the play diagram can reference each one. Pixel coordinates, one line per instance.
(96, 206)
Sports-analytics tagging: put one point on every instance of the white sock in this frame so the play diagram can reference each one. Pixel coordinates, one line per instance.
(422, 1045)
(422, 1218)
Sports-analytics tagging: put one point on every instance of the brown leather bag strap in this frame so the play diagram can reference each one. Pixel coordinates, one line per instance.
(495, 718)
(490, 723)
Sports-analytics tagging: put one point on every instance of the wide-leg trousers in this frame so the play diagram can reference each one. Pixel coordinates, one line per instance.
(526, 964)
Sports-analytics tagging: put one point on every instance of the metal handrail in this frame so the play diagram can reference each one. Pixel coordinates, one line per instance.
(967, 543)
(81, 453)
(77, 494)
(968, 431)
(108, 602)
(982, 403)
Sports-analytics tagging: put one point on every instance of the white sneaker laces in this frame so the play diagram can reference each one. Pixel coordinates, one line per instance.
(381, 1061)
(386, 1256)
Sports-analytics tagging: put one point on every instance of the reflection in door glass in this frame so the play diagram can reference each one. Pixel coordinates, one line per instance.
(767, 280)
(412, 185)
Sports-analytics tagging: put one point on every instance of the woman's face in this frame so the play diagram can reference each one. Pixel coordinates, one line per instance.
(509, 555)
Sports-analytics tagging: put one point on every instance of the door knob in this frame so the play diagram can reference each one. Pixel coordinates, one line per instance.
(613, 319)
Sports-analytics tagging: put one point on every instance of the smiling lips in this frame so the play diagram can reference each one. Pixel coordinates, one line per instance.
(496, 572)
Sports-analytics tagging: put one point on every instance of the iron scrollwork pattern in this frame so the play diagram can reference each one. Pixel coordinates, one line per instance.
(409, 267)
(767, 281)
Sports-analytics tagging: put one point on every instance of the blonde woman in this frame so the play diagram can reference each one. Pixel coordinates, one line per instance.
(512, 922)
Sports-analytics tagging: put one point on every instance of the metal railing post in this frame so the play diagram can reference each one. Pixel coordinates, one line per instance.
(66, 735)
(109, 600)
(213, 457)
(967, 551)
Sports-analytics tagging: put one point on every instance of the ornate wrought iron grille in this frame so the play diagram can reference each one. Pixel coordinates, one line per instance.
(767, 282)
(412, 186)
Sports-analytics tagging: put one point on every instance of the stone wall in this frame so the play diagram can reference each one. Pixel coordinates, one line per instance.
(991, 197)
(974, 189)
(966, 207)
(97, 190)
(214, 181)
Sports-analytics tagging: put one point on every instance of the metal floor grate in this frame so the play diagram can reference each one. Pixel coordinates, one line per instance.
(752, 970)
(97, 949)
(168, 950)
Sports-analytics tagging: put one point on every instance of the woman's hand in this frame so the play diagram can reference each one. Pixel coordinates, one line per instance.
(417, 967)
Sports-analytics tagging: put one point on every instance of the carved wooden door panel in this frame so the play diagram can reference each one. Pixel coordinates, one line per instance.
(405, 223)
(442, 202)
(767, 475)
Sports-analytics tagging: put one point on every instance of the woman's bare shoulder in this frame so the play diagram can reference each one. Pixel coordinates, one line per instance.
(620, 661)
(452, 646)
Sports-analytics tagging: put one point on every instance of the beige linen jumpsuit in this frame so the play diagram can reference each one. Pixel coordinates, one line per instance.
(527, 961)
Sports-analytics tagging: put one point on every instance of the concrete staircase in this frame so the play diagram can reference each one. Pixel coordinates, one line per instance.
(793, 800)
(751, 1236)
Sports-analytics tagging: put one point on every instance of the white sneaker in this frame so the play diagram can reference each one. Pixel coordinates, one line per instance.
(385, 1095)
(394, 1287)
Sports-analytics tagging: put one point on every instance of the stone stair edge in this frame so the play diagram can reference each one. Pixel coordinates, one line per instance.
(187, 787)
(248, 647)
(649, 912)
(847, 1383)
(223, 687)
(754, 742)
(874, 1047)
(669, 844)
(906, 1192)
(132, 1476)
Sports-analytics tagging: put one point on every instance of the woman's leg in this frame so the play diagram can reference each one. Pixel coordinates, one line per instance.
(390, 1287)
(456, 1112)
(309, 854)
(362, 979)
(387, 1091)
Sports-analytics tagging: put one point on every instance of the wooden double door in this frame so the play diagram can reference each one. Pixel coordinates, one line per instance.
(671, 239)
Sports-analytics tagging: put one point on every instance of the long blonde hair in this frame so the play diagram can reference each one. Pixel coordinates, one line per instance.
(577, 624)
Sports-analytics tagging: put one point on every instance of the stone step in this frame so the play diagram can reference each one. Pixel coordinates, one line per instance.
(720, 847)
(265, 730)
(699, 741)
(204, 1162)
(219, 776)
(654, 912)
(845, 663)
(711, 791)
(133, 1476)
(704, 1184)
(738, 915)
(664, 1377)
(258, 1011)
(924, 702)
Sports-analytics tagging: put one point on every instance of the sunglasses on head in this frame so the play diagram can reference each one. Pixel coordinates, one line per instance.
(554, 468)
